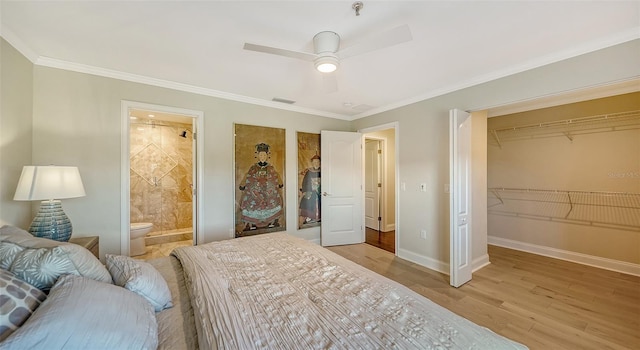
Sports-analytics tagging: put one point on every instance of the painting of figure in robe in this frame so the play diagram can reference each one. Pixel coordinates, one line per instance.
(259, 179)
(309, 195)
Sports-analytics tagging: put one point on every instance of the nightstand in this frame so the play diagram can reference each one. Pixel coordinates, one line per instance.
(92, 243)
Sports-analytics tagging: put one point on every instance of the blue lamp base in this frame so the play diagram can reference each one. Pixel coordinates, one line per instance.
(51, 222)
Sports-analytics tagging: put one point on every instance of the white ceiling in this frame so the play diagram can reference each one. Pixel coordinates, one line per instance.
(198, 46)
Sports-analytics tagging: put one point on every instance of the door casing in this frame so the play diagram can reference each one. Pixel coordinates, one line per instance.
(198, 120)
(396, 127)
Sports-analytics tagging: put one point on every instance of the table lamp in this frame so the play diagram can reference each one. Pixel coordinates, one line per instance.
(50, 184)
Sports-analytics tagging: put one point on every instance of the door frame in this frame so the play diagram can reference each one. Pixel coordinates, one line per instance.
(460, 198)
(381, 196)
(125, 165)
(396, 127)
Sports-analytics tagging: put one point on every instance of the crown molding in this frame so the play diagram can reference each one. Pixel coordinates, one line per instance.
(566, 97)
(592, 46)
(109, 73)
(44, 61)
(18, 44)
(595, 45)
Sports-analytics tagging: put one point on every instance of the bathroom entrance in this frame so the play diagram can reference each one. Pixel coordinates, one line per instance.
(162, 178)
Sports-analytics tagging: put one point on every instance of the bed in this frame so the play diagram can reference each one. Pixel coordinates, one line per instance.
(276, 291)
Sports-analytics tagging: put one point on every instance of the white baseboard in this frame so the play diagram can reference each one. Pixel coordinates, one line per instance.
(590, 260)
(424, 261)
(440, 266)
(480, 262)
(389, 227)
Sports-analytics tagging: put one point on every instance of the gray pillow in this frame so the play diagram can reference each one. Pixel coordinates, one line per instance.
(40, 261)
(9, 252)
(81, 313)
(140, 277)
(18, 299)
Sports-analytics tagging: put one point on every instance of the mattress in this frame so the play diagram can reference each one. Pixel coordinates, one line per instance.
(275, 291)
(176, 326)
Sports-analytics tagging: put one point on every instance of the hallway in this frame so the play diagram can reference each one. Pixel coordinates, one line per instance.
(385, 240)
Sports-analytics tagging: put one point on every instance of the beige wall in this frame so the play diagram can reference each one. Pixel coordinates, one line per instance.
(479, 184)
(590, 162)
(424, 141)
(16, 93)
(76, 120)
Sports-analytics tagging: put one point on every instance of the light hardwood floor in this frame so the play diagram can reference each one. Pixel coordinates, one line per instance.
(162, 249)
(541, 302)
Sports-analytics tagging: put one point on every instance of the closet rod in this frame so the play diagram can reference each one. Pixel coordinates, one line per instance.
(621, 209)
(574, 121)
(623, 200)
(559, 191)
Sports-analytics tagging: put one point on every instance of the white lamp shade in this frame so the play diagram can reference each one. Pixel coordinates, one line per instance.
(49, 182)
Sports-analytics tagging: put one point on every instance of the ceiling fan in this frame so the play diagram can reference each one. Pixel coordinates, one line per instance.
(327, 53)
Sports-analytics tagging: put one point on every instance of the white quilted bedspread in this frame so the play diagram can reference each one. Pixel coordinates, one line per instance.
(275, 291)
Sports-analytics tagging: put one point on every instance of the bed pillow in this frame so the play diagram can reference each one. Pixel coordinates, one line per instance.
(40, 261)
(81, 313)
(18, 299)
(8, 252)
(140, 277)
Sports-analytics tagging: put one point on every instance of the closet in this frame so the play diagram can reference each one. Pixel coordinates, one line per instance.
(581, 207)
(565, 180)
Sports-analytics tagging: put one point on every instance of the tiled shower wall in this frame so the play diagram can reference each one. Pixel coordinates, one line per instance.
(161, 174)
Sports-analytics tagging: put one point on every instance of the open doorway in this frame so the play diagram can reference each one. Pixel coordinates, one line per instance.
(160, 187)
(380, 200)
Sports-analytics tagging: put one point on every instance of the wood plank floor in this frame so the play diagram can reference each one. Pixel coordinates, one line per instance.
(383, 240)
(541, 302)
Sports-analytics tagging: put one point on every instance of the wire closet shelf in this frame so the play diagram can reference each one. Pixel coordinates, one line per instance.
(569, 127)
(612, 209)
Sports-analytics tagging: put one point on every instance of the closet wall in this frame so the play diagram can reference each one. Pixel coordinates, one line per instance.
(565, 181)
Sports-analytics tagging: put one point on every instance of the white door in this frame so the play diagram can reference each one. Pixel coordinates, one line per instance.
(372, 183)
(341, 186)
(460, 197)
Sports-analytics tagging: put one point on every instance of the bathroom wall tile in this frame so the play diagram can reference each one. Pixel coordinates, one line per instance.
(162, 153)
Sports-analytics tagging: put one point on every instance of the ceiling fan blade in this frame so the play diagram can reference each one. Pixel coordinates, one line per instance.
(305, 56)
(391, 37)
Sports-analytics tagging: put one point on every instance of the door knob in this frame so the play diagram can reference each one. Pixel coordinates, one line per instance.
(325, 194)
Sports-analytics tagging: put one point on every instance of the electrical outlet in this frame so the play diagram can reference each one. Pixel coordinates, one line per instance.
(423, 187)
(423, 234)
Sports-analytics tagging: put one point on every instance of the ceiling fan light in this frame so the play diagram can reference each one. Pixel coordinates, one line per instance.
(326, 67)
(326, 64)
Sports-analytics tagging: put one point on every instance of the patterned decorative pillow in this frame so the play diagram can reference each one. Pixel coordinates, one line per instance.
(141, 278)
(41, 261)
(41, 267)
(18, 300)
(9, 252)
(81, 313)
